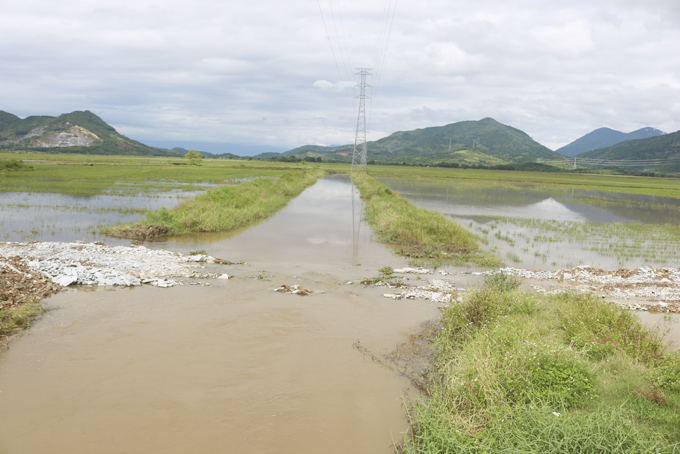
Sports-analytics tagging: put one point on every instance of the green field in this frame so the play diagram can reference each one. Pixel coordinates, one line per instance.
(665, 187)
(94, 174)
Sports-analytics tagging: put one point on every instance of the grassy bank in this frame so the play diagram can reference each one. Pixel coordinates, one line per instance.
(224, 208)
(423, 235)
(521, 373)
(18, 317)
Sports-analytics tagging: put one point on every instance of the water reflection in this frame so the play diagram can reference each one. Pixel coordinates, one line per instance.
(538, 203)
(233, 367)
(66, 217)
(322, 227)
(552, 227)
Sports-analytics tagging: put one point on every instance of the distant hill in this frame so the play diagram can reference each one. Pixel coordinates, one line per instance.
(485, 142)
(664, 149)
(605, 137)
(75, 132)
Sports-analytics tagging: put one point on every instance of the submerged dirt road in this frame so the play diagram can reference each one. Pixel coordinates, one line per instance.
(229, 367)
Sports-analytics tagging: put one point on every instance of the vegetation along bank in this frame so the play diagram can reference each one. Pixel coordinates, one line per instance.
(516, 372)
(224, 208)
(423, 235)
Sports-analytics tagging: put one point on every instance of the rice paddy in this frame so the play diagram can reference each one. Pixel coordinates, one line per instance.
(551, 227)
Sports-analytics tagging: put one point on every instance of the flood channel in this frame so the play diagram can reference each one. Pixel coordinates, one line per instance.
(234, 366)
(229, 367)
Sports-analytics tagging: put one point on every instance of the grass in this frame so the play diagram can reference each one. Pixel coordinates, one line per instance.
(95, 174)
(13, 165)
(666, 187)
(18, 317)
(422, 235)
(224, 208)
(521, 373)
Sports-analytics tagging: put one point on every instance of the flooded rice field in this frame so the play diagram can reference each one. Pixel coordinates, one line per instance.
(535, 227)
(232, 366)
(39, 216)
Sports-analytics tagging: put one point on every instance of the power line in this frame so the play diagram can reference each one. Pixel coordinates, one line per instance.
(337, 37)
(380, 63)
(332, 51)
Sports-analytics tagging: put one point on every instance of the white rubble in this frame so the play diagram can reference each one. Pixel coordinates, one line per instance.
(98, 264)
(437, 290)
(411, 271)
(656, 285)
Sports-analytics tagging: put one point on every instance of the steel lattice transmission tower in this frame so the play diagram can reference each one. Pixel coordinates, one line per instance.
(360, 137)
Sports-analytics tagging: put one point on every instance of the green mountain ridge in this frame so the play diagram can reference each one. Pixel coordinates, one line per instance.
(604, 137)
(485, 142)
(661, 152)
(75, 132)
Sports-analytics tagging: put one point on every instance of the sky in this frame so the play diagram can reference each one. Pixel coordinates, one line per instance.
(281, 74)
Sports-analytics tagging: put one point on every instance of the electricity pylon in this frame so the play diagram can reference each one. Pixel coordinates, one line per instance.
(360, 137)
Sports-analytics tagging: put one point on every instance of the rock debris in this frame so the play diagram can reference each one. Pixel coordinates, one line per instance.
(63, 264)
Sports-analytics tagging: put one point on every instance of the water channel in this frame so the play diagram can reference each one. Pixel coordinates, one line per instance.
(232, 367)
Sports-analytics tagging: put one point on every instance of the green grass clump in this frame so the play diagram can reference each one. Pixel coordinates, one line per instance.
(227, 207)
(602, 329)
(415, 232)
(18, 317)
(13, 165)
(667, 374)
(513, 374)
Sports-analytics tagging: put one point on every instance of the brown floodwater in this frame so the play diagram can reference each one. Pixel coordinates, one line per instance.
(668, 325)
(231, 367)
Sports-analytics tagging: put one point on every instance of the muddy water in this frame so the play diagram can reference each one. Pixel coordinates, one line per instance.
(668, 325)
(233, 367)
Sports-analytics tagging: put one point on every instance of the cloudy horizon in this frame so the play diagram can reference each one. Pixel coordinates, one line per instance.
(263, 73)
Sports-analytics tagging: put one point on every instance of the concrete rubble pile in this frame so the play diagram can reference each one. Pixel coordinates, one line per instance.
(437, 290)
(658, 287)
(97, 264)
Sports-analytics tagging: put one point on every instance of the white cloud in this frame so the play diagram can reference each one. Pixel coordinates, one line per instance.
(572, 40)
(212, 70)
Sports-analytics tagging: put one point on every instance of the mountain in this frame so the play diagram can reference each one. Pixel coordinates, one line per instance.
(605, 137)
(663, 150)
(485, 142)
(75, 132)
(217, 148)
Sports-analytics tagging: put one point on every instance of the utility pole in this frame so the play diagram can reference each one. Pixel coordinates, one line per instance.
(359, 153)
(449, 144)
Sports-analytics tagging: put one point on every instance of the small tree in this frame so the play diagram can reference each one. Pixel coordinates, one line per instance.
(194, 157)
